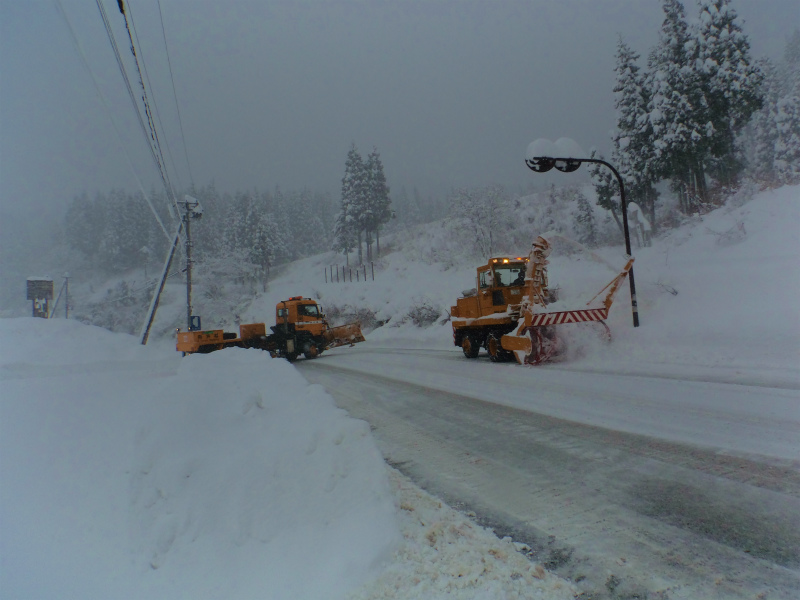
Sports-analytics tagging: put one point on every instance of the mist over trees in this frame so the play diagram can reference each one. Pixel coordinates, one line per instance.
(253, 230)
(681, 118)
(695, 116)
(772, 139)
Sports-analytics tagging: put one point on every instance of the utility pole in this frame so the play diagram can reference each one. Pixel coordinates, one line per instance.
(193, 211)
(187, 225)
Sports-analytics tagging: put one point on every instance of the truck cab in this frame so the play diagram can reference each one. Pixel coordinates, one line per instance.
(300, 314)
(498, 283)
(482, 316)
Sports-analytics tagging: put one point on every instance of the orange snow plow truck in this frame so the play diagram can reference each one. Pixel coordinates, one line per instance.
(300, 328)
(507, 313)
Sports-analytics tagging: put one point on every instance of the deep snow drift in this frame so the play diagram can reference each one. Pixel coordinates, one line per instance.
(128, 472)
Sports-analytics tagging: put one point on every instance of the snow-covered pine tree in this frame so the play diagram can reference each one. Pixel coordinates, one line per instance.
(126, 230)
(479, 214)
(83, 224)
(606, 188)
(348, 226)
(675, 104)
(585, 222)
(787, 117)
(634, 155)
(729, 83)
(378, 202)
(761, 133)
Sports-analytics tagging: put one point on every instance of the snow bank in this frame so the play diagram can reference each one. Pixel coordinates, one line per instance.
(130, 473)
(446, 556)
(720, 292)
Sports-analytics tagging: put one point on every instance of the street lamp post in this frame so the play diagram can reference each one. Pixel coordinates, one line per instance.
(542, 164)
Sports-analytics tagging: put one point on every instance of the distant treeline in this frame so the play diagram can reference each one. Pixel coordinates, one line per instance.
(255, 230)
(702, 112)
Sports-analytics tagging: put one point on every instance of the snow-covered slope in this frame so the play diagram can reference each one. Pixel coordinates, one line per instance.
(718, 293)
(128, 472)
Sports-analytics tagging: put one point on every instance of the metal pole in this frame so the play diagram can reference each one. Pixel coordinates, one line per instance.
(542, 164)
(187, 224)
(634, 306)
(151, 313)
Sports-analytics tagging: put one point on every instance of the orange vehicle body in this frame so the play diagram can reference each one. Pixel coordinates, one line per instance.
(511, 319)
(484, 314)
(300, 328)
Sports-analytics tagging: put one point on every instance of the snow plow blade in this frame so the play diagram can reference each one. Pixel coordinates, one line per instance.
(344, 335)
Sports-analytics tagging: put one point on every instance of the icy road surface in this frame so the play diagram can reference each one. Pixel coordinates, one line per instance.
(626, 484)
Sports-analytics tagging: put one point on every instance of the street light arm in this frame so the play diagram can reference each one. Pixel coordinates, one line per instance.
(542, 164)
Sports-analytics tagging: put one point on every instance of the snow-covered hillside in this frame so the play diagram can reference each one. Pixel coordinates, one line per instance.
(129, 472)
(716, 293)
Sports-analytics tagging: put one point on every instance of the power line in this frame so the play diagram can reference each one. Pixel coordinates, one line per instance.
(105, 104)
(121, 66)
(175, 95)
(152, 91)
(153, 138)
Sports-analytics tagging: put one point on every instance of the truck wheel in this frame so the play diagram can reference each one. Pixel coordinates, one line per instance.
(470, 346)
(495, 350)
(311, 351)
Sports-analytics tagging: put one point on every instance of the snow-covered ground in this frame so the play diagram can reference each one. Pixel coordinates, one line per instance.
(129, 472)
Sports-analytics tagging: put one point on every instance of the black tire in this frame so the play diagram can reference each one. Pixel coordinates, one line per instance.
(495, 349)
(311, 351)
(470, 346)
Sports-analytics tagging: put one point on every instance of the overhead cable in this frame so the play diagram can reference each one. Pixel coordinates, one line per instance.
(105, 104)
(175, 95)
(154, 141)
(152, 92)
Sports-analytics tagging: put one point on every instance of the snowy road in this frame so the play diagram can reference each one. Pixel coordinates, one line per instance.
(623, 483)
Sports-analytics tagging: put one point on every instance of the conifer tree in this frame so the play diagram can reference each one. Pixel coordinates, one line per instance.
(728, 83)
(762, 132)
(787, 117)
(378, 211)
(350, 221)
(606, 187)
(675, 100)
(585, 221)
(634, 155)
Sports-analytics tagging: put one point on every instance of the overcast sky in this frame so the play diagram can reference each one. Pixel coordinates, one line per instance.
(274, 93)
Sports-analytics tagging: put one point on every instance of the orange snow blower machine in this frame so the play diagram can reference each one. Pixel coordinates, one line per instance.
(300, 328)
(507, 311)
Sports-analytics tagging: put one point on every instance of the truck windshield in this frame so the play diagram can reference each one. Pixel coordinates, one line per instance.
(509, 275)
(308, 310)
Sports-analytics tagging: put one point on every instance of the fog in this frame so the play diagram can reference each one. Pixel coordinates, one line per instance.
(273, 93)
